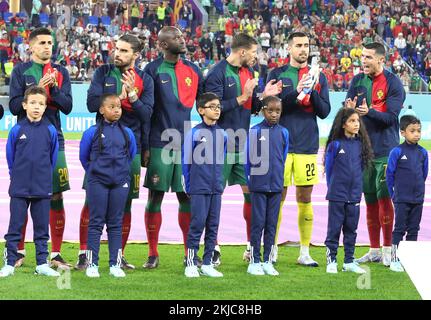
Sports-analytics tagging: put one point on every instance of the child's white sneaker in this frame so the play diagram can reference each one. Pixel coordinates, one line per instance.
(116, 271)
(386, 256)
(92, 271)
(332, 267)
(396, 266)
(45, 270)
(208, 270)
(255, 269)
(6, 271)
(269, 269)
(191, 272)
(353, 267)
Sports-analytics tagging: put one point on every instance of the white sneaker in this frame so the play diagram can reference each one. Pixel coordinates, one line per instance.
(45, 270)
(386, 256)
(255, 269)
(353, 267)
(396, 266)
(332, 267)
(307, 261)
(370, 257)
(246, 255)
(116, 271)
(6, 271)
(92, 271)
(269, 269)
(191, 272)
(275, 254)
(208, 270)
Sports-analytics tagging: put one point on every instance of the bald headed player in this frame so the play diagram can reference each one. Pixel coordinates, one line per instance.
(177, 85)
(55, 79)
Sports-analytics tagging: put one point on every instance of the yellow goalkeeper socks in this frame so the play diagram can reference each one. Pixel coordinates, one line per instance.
(305, 222)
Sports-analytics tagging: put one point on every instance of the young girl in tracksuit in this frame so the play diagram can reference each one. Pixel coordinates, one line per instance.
(203, 155)
(31, 153)
(106, 152)
(266, 152)
(347, 152)
(405, 176)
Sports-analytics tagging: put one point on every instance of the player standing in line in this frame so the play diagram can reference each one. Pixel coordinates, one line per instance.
(233, 80)
(55, 79)
(177, 85)
(378, 95)
(300, 118)
(136, 92)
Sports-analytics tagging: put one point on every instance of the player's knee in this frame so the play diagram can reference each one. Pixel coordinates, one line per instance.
(57, 196)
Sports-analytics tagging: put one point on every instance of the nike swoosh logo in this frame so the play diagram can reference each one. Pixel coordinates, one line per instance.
(165, 81)
(29, 84)
(109, 84)
(231, 84)
(360, 94)
(286, 85)
(309, 179)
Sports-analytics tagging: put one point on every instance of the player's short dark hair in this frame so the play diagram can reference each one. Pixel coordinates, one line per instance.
(297, 34)
(34, 90)
(406, 120)
(39, 32)
(377, 47)
(242, 41)
(205, 98)
(106, 96)
(270, 99)
(134, 42)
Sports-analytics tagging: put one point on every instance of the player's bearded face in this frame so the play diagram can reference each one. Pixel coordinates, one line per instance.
(249, 56)
(300, 49)
(123, 55)
(41, 47)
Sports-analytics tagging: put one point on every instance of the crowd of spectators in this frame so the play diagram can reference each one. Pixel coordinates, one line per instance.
(85, 31)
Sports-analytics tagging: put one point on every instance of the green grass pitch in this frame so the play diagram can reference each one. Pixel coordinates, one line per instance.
(169, 283)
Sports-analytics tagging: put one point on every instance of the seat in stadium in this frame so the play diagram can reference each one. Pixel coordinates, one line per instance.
(93, 20)
(106, 21)
(44, 19)
(7, 16)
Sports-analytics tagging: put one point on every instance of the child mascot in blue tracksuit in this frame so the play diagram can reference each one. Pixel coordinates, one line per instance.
(266, 152)
(203, 155)
(347, 153)
(405, 176)
(106, 152)
(31, 153)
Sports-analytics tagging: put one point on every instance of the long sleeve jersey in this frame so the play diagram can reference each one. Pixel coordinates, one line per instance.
(203, 156)
(385, 96)
(107, 79)
(106, 152)
(406, 173)
(31, 152)
(343, 167)
(228, 82)
(28, 74)
(176, 89)
(266, 151)
(301, 121)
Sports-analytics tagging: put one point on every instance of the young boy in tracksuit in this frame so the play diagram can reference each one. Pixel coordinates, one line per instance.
(203, 155)
(106, 152)
(31, 153)
(266, 152)
(347, 152)
(405, 176)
